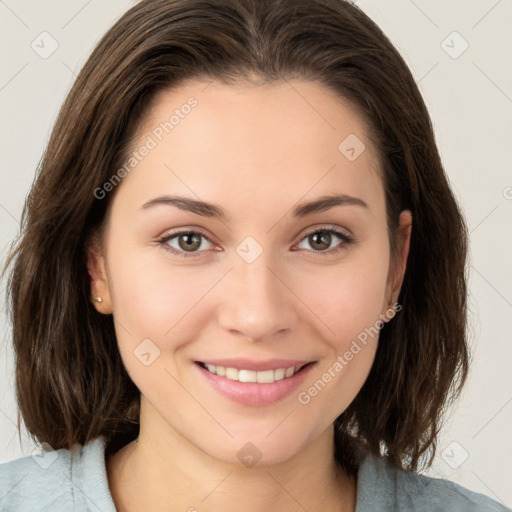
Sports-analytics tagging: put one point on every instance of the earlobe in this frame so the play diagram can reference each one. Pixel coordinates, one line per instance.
(100, 292)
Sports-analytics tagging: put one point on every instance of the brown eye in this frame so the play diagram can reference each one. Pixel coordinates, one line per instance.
(189, 241)
(185, 243)
(321, 240)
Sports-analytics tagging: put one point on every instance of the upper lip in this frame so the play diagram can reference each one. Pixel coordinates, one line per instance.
(249, 364)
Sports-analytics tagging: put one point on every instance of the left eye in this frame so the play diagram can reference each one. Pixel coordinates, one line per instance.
(321, 239)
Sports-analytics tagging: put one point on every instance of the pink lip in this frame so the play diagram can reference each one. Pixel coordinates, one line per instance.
(257, 366)
(255, 394)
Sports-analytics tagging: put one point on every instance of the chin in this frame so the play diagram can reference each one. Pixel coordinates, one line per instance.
(258, 447)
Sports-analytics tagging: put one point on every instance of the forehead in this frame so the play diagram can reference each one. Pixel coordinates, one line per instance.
(250, 143)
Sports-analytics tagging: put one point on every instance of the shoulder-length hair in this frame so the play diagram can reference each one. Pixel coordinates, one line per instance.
(71, 384)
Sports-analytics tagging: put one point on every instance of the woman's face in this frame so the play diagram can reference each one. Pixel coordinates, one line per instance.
(259, 284)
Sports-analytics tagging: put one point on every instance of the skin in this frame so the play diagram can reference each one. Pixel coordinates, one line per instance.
(256, 151)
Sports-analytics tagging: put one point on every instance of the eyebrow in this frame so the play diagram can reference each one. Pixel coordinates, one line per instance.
(212, 210)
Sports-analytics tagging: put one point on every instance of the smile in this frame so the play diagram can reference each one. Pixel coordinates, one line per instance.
(257, 386)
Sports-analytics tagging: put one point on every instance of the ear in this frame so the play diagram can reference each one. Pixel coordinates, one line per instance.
(96, 269)
(398, 267)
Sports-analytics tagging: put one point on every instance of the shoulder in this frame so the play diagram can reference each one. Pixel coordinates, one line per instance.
(36, 481)
(56, 480)
(381, 487)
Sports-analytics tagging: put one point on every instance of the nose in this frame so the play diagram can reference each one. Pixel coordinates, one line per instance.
(256, 301)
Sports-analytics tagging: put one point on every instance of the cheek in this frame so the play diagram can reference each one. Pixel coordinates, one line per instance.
(347, 298)
(336, 383)
(349, 303)
(153, 297)
(347, 355)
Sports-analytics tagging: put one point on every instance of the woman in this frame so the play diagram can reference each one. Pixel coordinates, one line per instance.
(241, 277)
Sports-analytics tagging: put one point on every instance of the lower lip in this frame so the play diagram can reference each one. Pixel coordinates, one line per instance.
(255, 394)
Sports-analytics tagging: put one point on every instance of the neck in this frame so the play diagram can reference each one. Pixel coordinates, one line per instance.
(166, 472)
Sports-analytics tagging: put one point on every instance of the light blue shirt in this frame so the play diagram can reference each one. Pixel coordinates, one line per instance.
(77, 481)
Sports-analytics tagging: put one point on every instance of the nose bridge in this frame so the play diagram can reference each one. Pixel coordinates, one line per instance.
(256, 304)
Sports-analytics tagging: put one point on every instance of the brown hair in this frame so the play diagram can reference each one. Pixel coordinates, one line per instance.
(71, 384)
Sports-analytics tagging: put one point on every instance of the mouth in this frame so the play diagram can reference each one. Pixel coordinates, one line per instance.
(246, 375)
(254, 384)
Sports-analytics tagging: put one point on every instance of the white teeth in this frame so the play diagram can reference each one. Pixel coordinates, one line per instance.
(268, 376)
(231, 373)
(247, 376)
(280, 373)
(263, 377)
(289, 372)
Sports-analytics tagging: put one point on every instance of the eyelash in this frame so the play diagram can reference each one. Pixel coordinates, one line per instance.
(344, 237)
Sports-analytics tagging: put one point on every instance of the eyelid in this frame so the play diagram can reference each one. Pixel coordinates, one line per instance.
(322, 227)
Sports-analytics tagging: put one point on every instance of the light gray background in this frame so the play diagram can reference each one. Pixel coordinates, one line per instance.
(470, 101)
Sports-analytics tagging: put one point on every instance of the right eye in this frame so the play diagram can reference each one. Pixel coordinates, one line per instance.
(186, 243)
